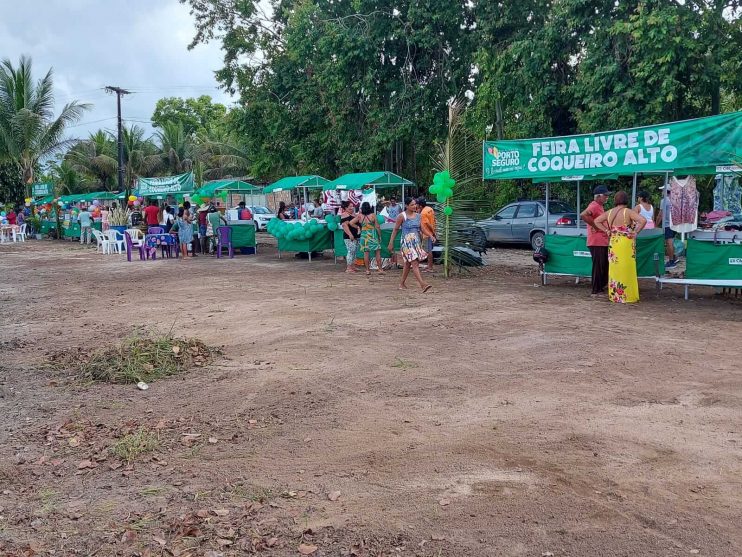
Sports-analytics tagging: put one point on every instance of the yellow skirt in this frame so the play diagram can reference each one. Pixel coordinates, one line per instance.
(623, 286)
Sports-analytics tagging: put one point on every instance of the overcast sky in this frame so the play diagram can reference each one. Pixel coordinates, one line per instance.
(140, 45)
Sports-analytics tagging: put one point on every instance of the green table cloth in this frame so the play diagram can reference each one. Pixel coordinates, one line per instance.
(73, 230)
(243, 235)
(386, 234)
(318, 242)
(709, 261)
(568, 255)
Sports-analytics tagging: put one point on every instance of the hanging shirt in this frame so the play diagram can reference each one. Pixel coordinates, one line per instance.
(684, 200)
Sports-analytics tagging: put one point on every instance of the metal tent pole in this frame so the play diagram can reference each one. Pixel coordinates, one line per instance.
(578, 204)
(633, 192)
(547, 208)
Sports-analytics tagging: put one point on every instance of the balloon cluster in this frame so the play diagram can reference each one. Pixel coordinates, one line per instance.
(196, 199)
(333, 222)
(295, 230)
(442, 188)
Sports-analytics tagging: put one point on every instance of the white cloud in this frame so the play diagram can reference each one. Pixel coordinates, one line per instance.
(140, 45)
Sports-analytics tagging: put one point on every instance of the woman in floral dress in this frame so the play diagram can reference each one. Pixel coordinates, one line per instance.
(622, 225)
(412, 251)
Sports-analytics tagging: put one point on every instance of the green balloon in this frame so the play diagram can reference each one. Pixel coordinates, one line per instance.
(448, 211)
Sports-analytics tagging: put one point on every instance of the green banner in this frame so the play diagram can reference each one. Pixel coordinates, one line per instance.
(149, 187)
(40, 190)
(703, 142)
(569, 255)
(709, 261)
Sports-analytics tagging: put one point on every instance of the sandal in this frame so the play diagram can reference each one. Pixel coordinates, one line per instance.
(427, 288)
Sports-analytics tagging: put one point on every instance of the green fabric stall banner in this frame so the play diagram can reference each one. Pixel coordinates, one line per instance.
(569, 255)
(243, 236)
(709, 261)
(167, 184)
(319, 242)
(702, 142)
(40, 190)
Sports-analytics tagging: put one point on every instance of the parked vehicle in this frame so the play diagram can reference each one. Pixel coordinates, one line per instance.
(261, 216)
(524, 222)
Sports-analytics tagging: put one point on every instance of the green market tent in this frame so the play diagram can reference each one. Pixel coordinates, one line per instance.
(292, 182)
(152, 187)
(44, 200)
(210, 189)
(360, 180)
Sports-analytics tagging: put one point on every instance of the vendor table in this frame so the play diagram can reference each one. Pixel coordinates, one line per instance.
(386, 234)
(243, 234)
(73, 230)
(164, 241)
(6, 232)
(319, 242)
(569, 255)
(713, 261)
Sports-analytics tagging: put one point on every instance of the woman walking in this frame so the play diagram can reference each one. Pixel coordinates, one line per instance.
(370, 234)
(185, 230)
(645, 209)
(412, 251)
(350, 235)
(622, 225)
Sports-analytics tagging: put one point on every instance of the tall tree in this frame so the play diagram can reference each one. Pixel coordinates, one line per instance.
(141, 156)
(29, 131)
(194, 115)
(95, 158)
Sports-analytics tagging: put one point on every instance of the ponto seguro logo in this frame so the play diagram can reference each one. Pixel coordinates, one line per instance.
(503, 159)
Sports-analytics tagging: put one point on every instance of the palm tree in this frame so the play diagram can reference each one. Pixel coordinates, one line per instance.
(461, 156)
(141, 157)
(96, 157)
(67, 178)
(176, 148)
(28, 130)
(220, 154)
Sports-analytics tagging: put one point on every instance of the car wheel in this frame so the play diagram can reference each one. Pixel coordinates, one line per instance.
(479, 240)
(537, 240)
(257, 227)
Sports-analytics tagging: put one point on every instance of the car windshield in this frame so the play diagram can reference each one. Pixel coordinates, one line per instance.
(261, 210)
(557, 207)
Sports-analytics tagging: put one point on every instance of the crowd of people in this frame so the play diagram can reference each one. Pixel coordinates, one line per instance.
(611, 239)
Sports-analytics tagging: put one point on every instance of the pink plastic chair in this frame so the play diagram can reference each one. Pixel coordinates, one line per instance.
(224, 237)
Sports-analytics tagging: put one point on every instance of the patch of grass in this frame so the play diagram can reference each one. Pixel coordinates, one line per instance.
(48, 499)
(403, 364)
(151, 491)
(139, 357)
(131, 446)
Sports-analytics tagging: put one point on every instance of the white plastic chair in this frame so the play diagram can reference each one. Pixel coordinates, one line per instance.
(137, 238)
(19, 234)
(102, 243)
(116, 241)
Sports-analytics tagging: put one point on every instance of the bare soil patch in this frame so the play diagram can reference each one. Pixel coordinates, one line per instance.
(491, 417)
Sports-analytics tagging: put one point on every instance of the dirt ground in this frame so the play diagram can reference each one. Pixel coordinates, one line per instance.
(489, 417)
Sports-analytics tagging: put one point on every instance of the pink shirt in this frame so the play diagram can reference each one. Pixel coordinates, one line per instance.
(596, 237)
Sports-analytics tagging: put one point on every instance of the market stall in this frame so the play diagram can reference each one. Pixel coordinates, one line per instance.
(243, 231)
(299, 184)
(364, 186)
(702, 143)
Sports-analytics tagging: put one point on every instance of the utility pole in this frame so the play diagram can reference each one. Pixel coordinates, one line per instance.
(119, 93)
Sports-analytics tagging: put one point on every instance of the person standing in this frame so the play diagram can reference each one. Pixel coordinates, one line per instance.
(350, 235)
(203, 223)
(645, 209)
(622, 225)
(665, 212)
(412, 252)
(215, 220)
(104, 218)
(152, 214)
(166, 219)
(597, 239)
(318, 212)
(86, 225)
(427, 226)
(188, 216)
(185, 229)
(281, 213)
(393, 209)
(370, 234)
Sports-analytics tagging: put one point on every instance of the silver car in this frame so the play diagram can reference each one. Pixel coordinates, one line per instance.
(524, 222)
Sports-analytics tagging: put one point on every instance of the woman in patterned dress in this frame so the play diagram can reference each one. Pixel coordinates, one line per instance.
(370, 235)
(622, 225)
(412, 251)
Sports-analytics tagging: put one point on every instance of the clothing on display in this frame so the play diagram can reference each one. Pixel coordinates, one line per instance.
(684, 201)
(728, 194)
